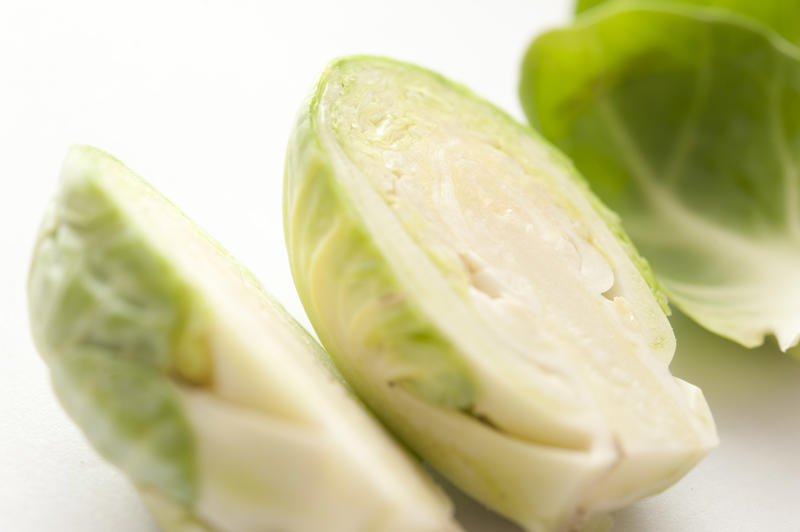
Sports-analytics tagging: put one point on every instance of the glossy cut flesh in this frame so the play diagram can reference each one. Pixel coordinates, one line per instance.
(183, 372)
(528, 308)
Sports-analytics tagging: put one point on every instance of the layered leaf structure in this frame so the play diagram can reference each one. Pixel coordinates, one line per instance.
(186, 375)
(487, 307)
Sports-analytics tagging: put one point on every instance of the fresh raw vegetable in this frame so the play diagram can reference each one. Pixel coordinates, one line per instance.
(781, 15)
(686, 121)
(185, 374)
(481, 300)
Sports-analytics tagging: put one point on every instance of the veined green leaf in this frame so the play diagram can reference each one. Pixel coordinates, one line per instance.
(686, 121)
(781, 15)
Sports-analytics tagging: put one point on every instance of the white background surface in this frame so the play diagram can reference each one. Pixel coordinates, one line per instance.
(198, 97)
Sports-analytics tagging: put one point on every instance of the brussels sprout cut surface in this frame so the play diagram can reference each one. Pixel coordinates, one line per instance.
(484, 304)
(186, 375)
(686, 120)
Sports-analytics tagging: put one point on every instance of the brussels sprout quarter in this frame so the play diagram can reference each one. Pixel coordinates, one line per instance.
(186, 375)
(482, 302)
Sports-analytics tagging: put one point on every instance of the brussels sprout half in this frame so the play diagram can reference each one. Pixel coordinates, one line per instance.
(481, 300)
(184, 373)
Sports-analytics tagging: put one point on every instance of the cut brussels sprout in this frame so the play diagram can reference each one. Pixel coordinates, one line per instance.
(483, 303)
(184, 373)
(686, 121)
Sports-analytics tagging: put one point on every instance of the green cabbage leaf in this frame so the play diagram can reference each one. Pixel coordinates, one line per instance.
(686, 122)
(781, 15)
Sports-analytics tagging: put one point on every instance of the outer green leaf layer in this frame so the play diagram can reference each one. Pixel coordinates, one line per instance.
(781, 15)
(328, 248)
(686, 121)
(97, 288)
